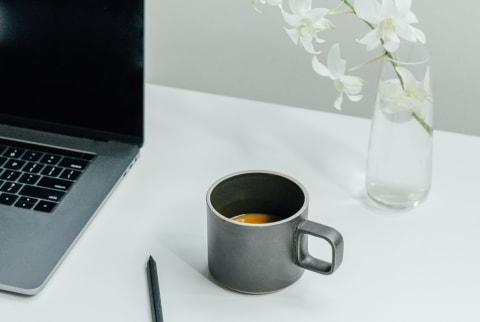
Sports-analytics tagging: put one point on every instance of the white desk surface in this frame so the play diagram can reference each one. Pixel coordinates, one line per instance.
(419, 265)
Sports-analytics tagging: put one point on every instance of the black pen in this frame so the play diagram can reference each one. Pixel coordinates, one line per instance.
(154, 291)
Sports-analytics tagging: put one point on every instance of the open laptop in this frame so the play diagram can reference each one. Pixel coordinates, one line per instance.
(71, 124)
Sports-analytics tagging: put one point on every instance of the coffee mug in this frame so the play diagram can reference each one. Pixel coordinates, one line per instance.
(257, 233)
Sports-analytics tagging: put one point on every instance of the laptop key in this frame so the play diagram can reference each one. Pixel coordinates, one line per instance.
(51, 159)
(70, 174)
(32, 167)
(51, 171)
(72, 163)
(32, 156)
(42, 193)
(45, 206)
(13, 152)
(14, 164)
(54, 183)
(7, 199)
(29, 178)
(10, 175)
(26, 202)
(11, 187)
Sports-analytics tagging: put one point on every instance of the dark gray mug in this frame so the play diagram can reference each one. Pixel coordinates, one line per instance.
(263, 258)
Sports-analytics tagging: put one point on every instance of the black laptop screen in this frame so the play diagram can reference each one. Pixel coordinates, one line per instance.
(70, 65)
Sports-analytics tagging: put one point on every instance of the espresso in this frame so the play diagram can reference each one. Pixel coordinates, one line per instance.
(256, 218)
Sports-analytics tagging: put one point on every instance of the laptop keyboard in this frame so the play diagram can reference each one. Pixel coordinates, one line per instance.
(38, 177)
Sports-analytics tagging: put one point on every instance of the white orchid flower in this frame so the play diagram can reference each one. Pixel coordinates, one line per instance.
(275, 3)
(391, 20)
(306, 23)
(270, 2)
(335, 70)
(406, 94)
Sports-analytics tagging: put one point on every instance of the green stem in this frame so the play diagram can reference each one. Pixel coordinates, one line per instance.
(349, 5)
(333, 12)
(366, 63)
(424, 124)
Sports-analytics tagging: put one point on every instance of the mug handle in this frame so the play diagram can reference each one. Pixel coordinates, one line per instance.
(307, 261)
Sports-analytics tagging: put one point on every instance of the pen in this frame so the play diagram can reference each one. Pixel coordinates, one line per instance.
(154, 291)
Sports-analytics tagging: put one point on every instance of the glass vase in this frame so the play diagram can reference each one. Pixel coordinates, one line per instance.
(399, 166)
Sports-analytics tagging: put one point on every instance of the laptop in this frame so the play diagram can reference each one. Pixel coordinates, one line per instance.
(71, 124)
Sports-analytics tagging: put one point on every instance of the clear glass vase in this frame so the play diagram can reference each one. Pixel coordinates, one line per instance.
(399, 166)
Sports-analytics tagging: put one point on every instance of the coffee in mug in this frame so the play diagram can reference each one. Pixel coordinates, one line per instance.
(256, 218)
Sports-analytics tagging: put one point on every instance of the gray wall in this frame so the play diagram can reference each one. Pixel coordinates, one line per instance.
(226, 47)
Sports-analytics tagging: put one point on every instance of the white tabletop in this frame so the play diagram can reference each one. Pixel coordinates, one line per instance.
(417, 265)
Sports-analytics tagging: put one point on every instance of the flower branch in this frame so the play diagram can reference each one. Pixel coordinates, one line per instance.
(391, 55)
(389, 21)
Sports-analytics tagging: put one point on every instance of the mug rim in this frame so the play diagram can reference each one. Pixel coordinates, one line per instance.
(300, 211)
